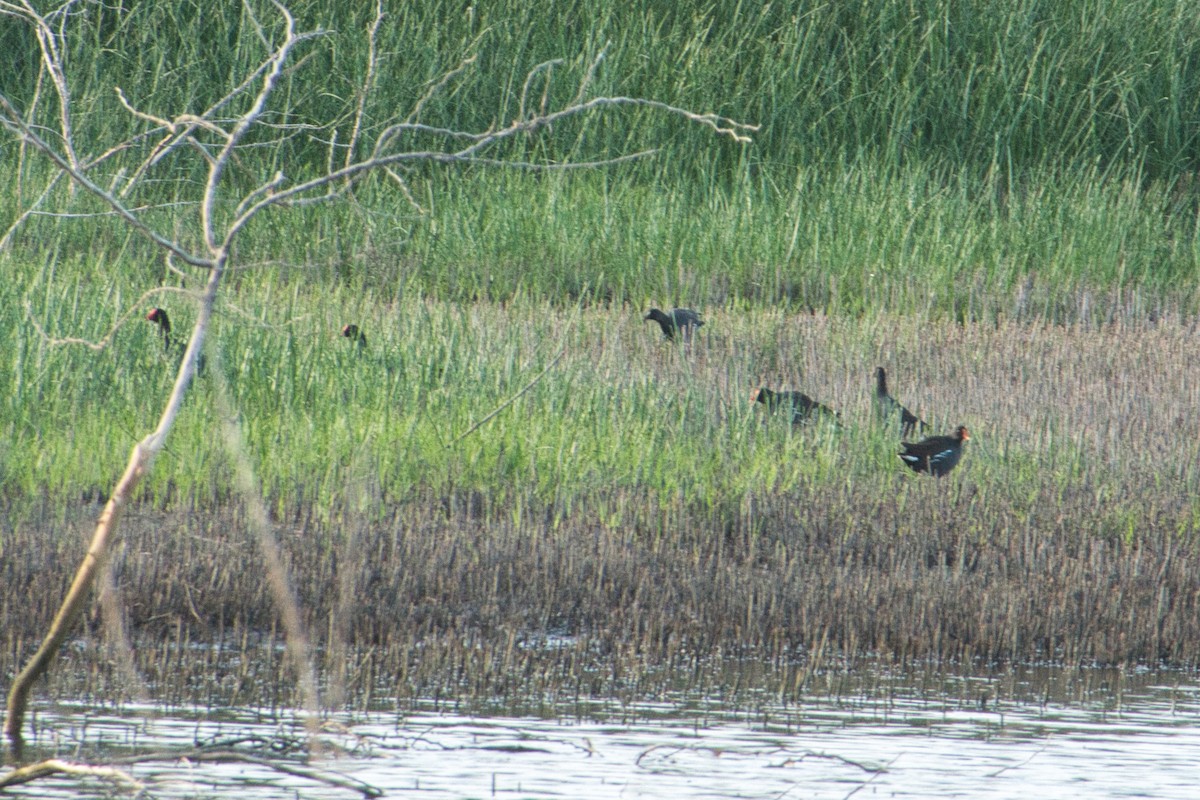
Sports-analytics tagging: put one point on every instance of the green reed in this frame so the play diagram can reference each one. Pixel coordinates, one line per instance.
(916, 155)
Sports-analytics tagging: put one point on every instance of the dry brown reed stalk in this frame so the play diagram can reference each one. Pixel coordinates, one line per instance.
(1075, 491)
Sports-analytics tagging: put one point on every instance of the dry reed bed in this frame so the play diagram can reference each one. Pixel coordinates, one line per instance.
(1067, 534)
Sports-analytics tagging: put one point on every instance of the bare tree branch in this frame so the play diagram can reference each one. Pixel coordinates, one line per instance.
(179, 131)
(33, 209)
(52, 62)
(56, 766)
(12, 119)
(276, 62)
(721, 125)
(368, 81)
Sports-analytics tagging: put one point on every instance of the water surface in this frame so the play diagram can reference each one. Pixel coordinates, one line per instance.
(1129, 737)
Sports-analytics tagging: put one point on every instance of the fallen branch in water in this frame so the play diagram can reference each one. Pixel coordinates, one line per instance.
(55, 766)
(221, 754)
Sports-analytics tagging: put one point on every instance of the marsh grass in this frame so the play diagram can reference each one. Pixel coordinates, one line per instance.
(637, 506)
(937, 157)
(621, 407)
(858, 243)
(991, 86)
(995, 206)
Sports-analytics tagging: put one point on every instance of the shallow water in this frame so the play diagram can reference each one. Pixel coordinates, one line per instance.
(1143, 741)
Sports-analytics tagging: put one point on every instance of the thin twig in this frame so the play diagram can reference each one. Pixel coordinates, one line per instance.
(532, 383)
(159, 121)
(485, 162)
(864, 784)
(590, 75)
(434, 88)
(545, 65)
(512, 399)
(244, 123)
(31, 211)
(52, 61)
(367, 83)
(67, 165)
(404, 189)
(318, 776)
(110, 213)
(1003, 770)
(106, 340)
(259, 522)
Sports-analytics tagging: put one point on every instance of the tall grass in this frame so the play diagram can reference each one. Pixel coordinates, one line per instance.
(619, 409)
(986, 86)
(850, 242)
(907, 152)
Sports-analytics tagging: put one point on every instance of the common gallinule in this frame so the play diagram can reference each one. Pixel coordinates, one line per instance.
(936, 455)
(355, 335)
(801, 406)
(170, 344)
(887, 407)
(684, 320)
(159, 317)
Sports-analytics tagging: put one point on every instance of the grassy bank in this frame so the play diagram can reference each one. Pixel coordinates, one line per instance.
(619, 409)
(636, 501)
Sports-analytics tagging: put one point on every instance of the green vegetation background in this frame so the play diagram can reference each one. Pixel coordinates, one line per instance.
(917, 162)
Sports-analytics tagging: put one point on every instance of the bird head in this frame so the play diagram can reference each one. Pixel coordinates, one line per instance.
(159, 317)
